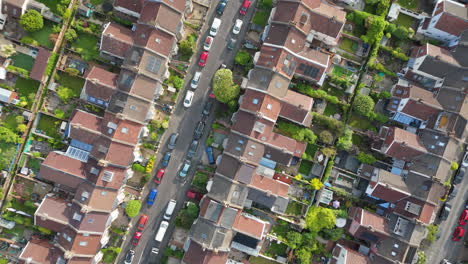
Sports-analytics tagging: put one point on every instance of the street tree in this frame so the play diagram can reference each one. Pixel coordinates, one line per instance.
(224, 88)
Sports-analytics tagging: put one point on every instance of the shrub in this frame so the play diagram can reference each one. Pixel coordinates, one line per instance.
(432, 232)
(332, 233)
(328, 170)
(59, 113)
(363, 105)
(345, 142)
(296, 132)
(56, 29)
(51, 63)
(243, 58)
(44, 231)
(328, 122)
(321, 94)
(64, 93)
(21, 128)
(133, 208)
(72, 71)
(421, 257)
(366, 158)
(20, 71)
(70, 35)
(326, 137)
(186, 216)
(454, 166)
(319, 218)
(32, 21)
(316, 184)
(294, 239)
(328, 151)
(149, 166)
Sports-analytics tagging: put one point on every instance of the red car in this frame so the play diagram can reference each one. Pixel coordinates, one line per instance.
(463, 217)
(245, 6)
(203, 59)
(159, 176)
(193, 195)
(136, 238)
(458, 233)
(142, 222)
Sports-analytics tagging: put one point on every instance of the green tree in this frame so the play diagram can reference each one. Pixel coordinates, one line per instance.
(224, 87)
(303, 255)
(319, 218)
(316, 184)
(363, 105)
(331, 233)
(66, 14)
(64, 93)
(133, 208)
(19, 119)
(432, 232)
(328, 151)
(70, 35)
(8, 136)
(243, 58)
(345, 142)
(454, 166)
(294, 239)
(21, 128)
(366, 158)
(32, 21)
(326, 137)
(421, 257)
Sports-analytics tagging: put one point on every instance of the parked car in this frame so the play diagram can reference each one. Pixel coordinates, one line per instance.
(210, 155)
(463, 217)
(193, 148)
(195, 80)
(136, 238)
(161, 231)
(459, 176)
(231, 44)
(245, 6)
(194, 195)
(237, 27)
(215, 27)
(188, 99)
(184, 169)
(142, 222)
(207, 108)
(129, 257)
(152, 197)
(198, 133)
(159, 176)
(453, 193)
(166, 158)
(208, 42)
(203, 58)
(220, 8)
(172, 141)
(465, 160)
(445, 211)
(458, 233)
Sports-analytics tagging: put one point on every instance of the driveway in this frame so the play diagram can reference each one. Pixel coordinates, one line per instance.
(184, 121)
(444, 247)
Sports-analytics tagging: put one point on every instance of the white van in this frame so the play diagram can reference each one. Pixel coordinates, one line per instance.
(170, 209)
(161, 231)
(215, 27)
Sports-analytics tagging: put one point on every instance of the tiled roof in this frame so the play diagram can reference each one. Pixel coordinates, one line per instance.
(101, 76)
(154, 39)
(257, 102)
(402, 144)
(160, 15)
(132, 5)
(297, 107)
(40, 64)
(270, 185)
(198, 255)
(454, 18)
(40, 251)
(116, 39)
(251, 226)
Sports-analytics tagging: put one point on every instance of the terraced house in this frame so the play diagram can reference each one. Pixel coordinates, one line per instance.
(89, 176)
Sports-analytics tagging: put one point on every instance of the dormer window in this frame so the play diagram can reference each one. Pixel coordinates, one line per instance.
(77, 217)
(413, 208)
(107, 176)
(94, 171)
(124, 130)
(84, 195)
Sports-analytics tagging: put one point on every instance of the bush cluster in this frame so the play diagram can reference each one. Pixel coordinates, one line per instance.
(321, 94)
(328, 122)
(296, 132)
(20, 71)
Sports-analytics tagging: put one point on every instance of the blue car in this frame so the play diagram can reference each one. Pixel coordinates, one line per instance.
(152, 197)
(166, 159)
(209, 154)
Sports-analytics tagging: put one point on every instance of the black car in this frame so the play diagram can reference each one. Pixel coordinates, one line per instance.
(173, 141)
(166, 159)
(459, 176)
(453, 193)
(231, 44)
(207, 108)
(445, 211)
(129, 257)
(220, 8)
(198, 133)
(192, 149)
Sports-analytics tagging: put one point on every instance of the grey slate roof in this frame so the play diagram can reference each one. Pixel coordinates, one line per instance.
(224, 190)
(277, 204)
(210, 236)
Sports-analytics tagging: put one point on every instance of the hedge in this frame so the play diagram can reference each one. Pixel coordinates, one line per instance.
(328, 169)
(328, 122)
(296, 132)
(20, 71)
(51, 63)
(320, 94)
(395, 53)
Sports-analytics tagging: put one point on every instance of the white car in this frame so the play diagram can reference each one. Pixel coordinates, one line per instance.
(465, 160)
(188, 99)
(237, 27)
(195, 80)
(208, 42)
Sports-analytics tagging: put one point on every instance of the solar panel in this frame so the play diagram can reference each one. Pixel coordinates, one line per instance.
(77, 154)
(81, 145)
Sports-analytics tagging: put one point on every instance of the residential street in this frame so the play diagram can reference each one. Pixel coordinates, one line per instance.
(184, 121)
(444, 247)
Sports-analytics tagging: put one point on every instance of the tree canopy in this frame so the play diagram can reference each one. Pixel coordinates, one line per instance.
(32, 21)
(319, 218)
(133, 208)
(345, 142)
(224, 87)
(294, 239)
(363, 105)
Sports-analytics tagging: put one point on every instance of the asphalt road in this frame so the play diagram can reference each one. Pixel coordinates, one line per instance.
(444, 247)
(183, 121)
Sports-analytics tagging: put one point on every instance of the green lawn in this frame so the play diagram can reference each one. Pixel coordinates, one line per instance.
(42, 36)
(294, 208)
(86, 46)
(331, 109)
(340, 71)
(404, 20)
(409, 4)
(73, 82)
(360, 122)
(8, 154)
(348, 45)
(34, 164)
(23, 61)
(305, 167)
(10, 122)
(25, 87)
(261, 18)
(49, 125)
(280, 229)
(96, 2)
